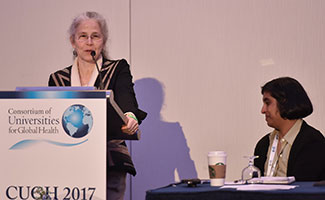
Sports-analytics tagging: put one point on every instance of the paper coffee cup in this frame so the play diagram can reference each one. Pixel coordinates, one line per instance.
(217, 167)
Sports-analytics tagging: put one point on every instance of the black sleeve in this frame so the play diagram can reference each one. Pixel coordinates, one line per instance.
(306, 160)
(124, 96)
(51, 81)
(261, 151)
(123, 90)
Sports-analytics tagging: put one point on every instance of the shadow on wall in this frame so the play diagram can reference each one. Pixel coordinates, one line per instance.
(162, 148)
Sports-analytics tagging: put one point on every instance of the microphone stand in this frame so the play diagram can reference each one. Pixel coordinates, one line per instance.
(101, 86)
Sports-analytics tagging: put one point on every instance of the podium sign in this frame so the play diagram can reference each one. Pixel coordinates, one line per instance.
(53, 143)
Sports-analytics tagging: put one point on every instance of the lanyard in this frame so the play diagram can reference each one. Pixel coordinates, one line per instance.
(270, 166)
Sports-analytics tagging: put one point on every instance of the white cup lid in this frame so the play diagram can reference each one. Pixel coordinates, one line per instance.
(217, 153)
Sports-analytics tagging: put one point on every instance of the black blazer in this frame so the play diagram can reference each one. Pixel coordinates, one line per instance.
(306, 158)
(117, 74)
(117, 77)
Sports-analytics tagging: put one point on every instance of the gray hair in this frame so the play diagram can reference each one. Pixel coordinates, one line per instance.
(85, 16)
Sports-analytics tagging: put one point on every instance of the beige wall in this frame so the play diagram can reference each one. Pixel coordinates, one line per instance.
(198, 67)
(35, 41)
(211, 57)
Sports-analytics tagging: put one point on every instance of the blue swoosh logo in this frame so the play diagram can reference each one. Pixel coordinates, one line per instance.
(27, 143)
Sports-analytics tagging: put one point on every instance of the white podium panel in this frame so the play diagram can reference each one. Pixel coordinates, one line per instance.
(53, 142)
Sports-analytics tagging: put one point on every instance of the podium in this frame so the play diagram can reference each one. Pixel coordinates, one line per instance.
(53, 142)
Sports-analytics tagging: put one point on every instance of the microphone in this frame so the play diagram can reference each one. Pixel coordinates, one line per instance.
(101, 86)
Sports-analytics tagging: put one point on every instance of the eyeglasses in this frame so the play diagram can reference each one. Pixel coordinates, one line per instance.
(94, 38)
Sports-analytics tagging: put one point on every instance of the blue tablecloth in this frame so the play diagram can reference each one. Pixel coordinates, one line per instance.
(304, 191)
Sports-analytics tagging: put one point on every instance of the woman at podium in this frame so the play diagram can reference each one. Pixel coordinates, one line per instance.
(91, 67)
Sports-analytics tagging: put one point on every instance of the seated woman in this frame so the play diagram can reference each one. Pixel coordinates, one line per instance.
(293, 148)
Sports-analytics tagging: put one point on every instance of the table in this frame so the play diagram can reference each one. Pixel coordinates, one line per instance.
(304, 191)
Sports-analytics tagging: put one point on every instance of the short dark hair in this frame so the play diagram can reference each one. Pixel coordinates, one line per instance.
(293, 101)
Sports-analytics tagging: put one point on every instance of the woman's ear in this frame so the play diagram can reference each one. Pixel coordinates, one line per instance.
(72, 41)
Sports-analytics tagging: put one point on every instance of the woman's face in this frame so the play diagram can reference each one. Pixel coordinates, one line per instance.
(88, 38)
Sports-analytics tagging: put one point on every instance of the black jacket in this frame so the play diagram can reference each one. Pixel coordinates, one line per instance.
(307, 155)
(117, 77)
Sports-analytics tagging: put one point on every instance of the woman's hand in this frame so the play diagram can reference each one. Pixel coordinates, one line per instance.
(131, 126)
